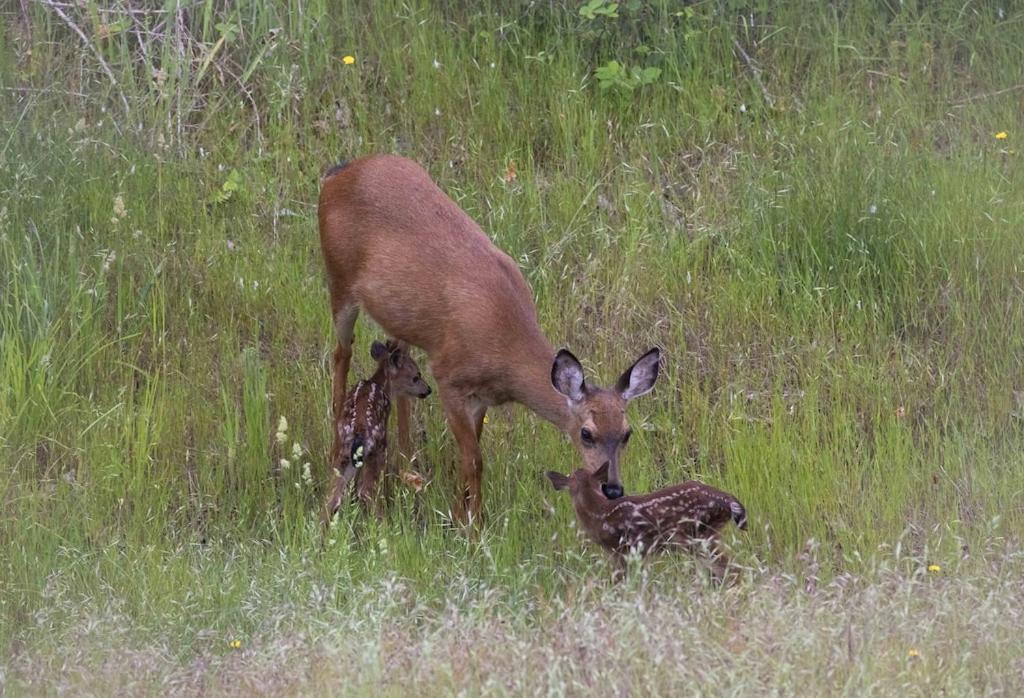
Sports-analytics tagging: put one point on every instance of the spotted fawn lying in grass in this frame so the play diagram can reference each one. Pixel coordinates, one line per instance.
(363, 426)
(689, 516)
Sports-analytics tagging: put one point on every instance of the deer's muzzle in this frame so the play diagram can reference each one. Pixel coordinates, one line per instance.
(612, 490)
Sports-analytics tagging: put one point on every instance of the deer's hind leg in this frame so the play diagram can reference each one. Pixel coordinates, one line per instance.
(345, 314)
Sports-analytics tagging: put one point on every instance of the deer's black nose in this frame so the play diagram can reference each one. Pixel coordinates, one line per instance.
(612, 490)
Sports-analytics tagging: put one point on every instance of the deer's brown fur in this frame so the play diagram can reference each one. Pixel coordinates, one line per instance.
(689, 516)
(396, 246)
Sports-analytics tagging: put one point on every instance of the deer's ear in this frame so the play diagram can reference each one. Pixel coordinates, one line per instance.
(602, 472)
(640, 377)
(558, 481)
(378, 351)
(567, 376)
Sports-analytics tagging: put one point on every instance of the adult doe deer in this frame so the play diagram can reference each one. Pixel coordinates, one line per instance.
(362, 430)
(689, 516)
(395, 245)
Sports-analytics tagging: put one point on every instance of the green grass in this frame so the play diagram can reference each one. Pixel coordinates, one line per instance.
(832, 265)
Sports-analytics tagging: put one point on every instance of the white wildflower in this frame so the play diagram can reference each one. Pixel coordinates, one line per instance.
(297, 451)
(285, 464)
(119, 209)
(282, 428)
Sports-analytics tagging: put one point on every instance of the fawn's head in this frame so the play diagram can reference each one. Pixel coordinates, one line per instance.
(580, 482)
(400, 370)
(598, 426)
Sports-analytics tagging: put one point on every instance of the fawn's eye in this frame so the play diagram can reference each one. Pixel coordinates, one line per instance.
(625, 439)
(587, 437)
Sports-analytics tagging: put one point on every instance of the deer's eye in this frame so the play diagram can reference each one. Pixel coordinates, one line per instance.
(587, 437)
(625, 439)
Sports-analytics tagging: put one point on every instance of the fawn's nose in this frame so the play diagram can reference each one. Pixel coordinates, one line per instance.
(426, 392)
(612, 490)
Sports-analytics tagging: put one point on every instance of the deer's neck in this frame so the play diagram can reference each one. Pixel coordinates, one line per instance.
(531, 382)
(383, 381)
(591, 508)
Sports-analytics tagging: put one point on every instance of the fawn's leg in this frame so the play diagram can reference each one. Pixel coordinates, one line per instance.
(369, 479)
(343, 474)
(619, 568)
(719, 563)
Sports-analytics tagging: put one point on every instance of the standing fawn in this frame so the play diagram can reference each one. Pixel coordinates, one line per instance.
(362, 431)
(396, 246)
(689, 516)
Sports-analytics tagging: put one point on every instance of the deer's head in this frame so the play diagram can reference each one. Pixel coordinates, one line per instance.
(598, 425)
(401, 371)
(580, 483)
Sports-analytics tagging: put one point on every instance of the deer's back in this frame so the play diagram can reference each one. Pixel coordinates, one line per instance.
(674, 515)
(419, 265)
(364, 418)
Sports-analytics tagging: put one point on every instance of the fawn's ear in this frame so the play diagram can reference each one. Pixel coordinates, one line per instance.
(602, 472)
(558, 481)
(639, 378)
(394, 352)
(378, 351)
(567, 376)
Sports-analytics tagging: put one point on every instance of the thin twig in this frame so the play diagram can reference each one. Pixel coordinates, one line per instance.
(986, 95)
(755, 72)
(46, 90)
(96, 52)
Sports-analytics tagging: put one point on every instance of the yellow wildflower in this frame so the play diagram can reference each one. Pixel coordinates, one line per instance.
(1001, 136)
(235, 644)
(487, 420)
(348, 60)
(913, 654)
(934, 568)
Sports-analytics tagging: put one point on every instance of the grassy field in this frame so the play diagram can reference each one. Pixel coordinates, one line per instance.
(815, 210)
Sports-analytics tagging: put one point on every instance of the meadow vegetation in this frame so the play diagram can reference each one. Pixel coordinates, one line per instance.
(815, 209)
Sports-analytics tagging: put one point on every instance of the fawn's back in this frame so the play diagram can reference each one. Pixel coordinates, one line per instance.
(676, 515)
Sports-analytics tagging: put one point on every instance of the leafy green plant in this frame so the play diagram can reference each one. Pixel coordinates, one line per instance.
(616, 75)
(232, 185)
(599, 8)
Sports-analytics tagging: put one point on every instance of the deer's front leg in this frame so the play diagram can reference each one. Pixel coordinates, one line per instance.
(463, 417)
(403, 412)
